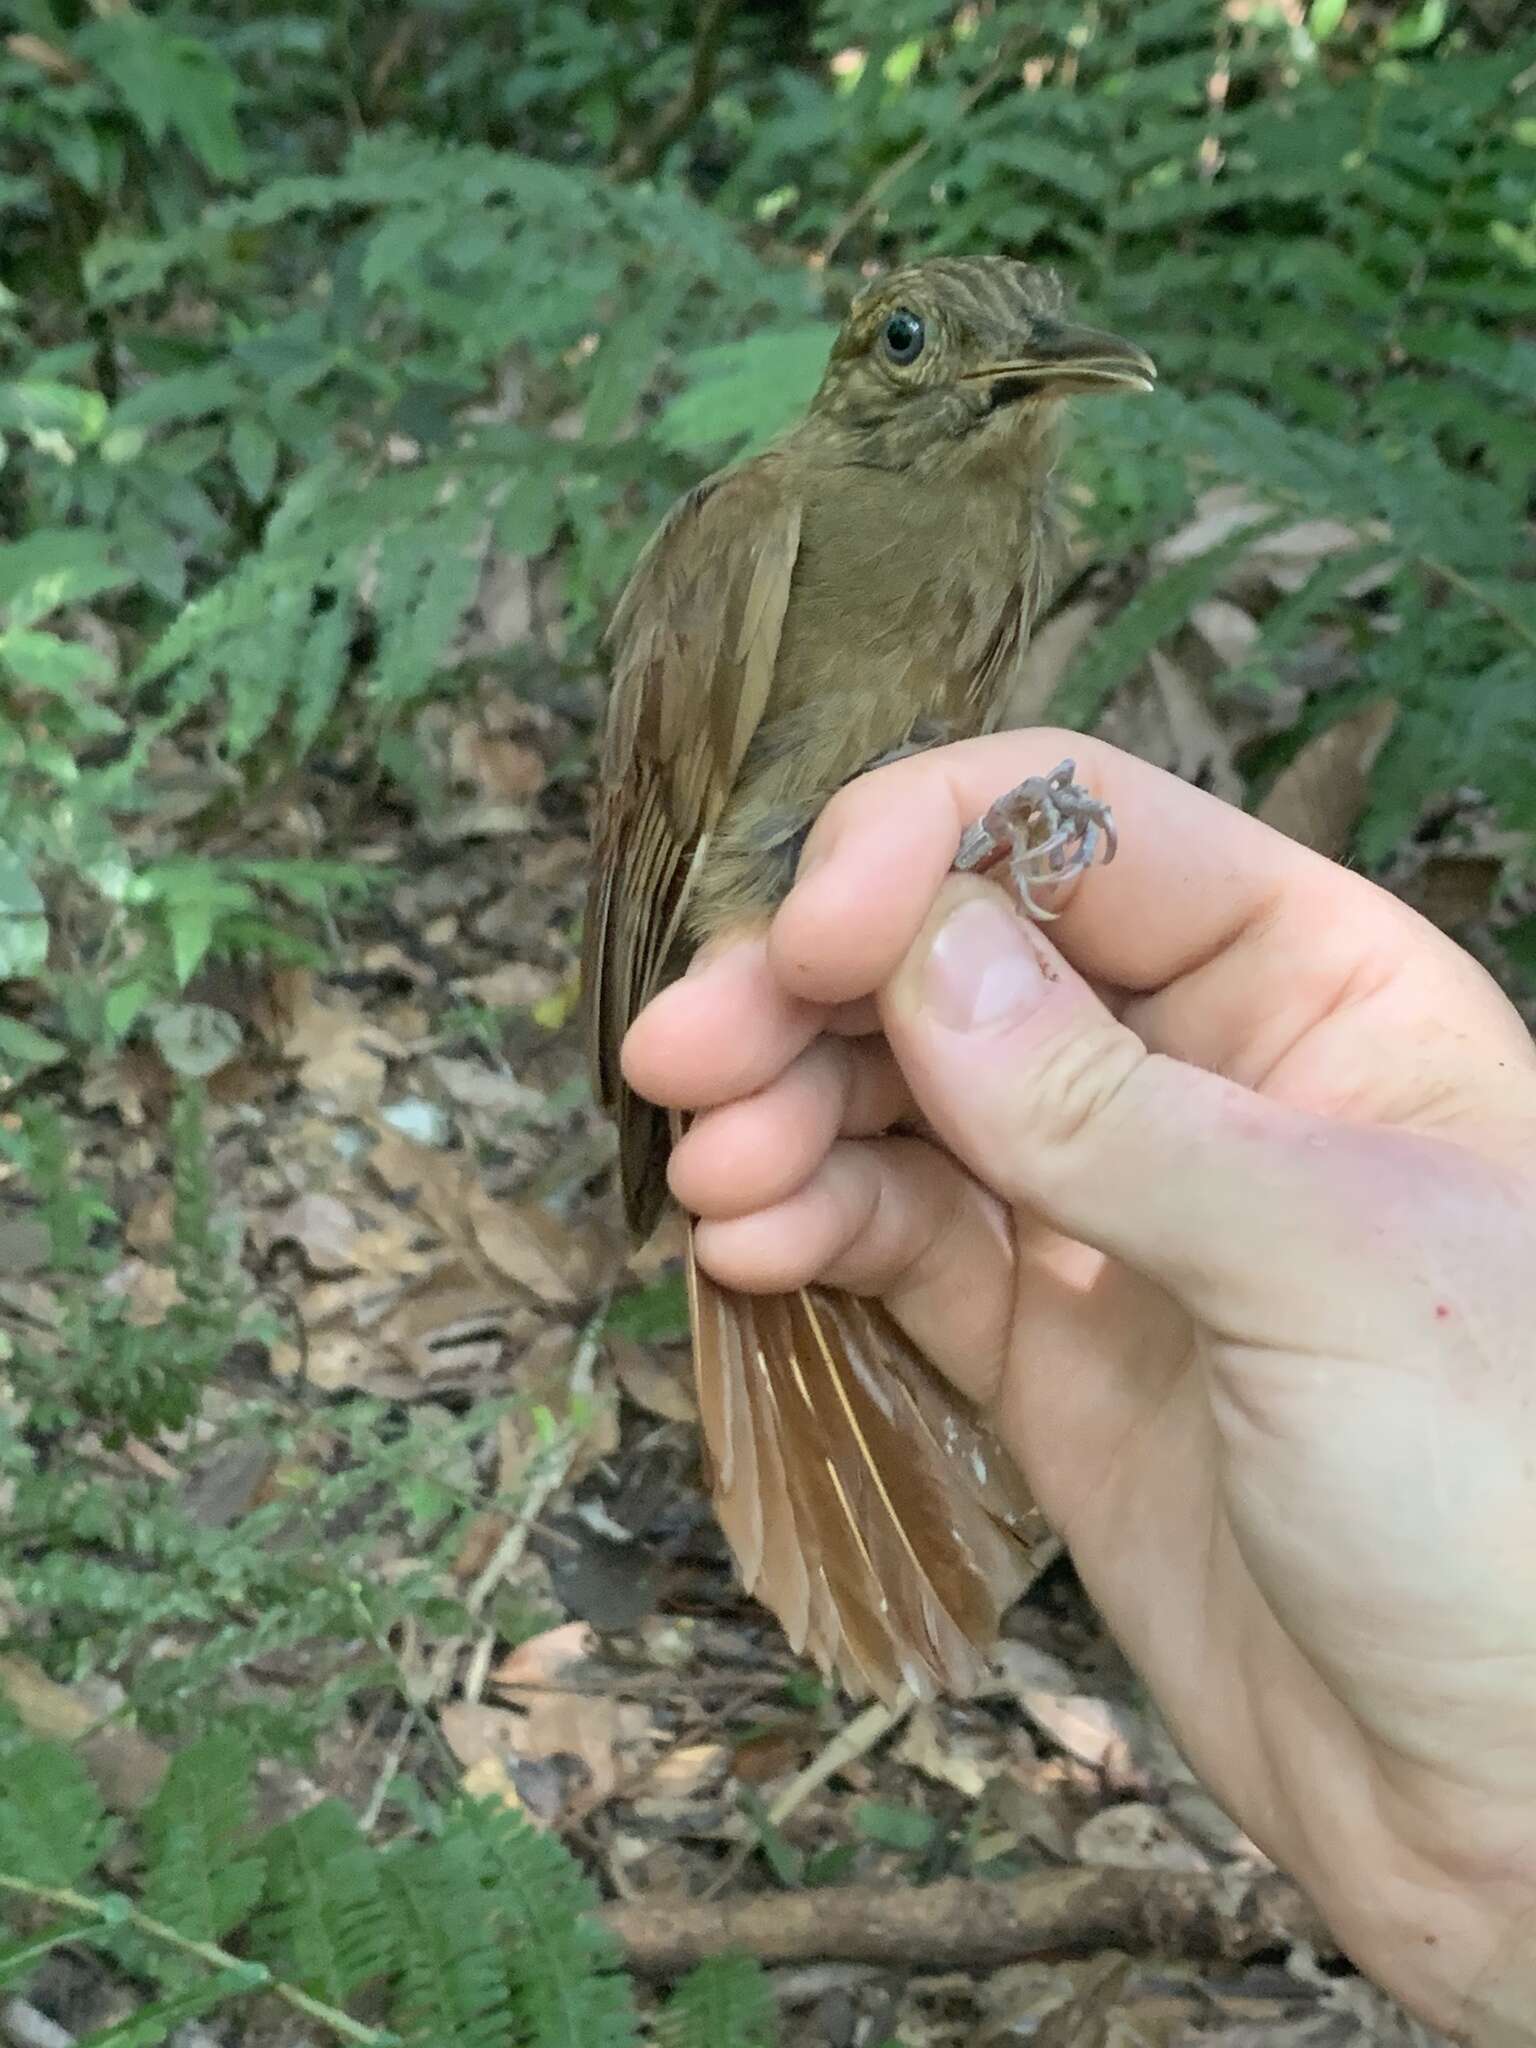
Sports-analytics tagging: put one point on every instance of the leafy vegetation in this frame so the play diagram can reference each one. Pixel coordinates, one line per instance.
(481, 1933)
(312, 318)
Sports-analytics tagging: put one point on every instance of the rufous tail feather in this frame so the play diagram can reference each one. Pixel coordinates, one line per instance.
(864, 1503)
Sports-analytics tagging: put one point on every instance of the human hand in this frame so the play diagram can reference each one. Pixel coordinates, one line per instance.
(1229, 1221)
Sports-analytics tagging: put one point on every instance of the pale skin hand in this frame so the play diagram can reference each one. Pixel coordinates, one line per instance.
(1229, 1221)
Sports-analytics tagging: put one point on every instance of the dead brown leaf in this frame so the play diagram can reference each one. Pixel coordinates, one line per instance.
(126, 1766)
(340, 1052)
(499, 768)
(1319, 797)
(602, 1733)
(514, 985)
(944, 1757)
(1136, 1836)
(545, 1658)
(659, 1382)
(1097, 1732)
(322, 1227)
(150, 1292)
(474, 1085)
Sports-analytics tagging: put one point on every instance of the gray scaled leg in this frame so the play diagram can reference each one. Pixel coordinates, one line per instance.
(1046, 832)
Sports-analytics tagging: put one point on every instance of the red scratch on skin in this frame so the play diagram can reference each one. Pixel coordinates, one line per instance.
(1442, 1311)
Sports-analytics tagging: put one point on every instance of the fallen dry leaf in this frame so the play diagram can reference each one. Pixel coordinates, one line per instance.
(474, 1085)
(1095, 1731)
(150, 1292)
(518, 1240)
(600, 1732)
(1046, 660)
(659, 1382)
(928, 1747)
(339, 1051)
(541, 1659)
(489, 1778)
(1228, 630)
(1319, 797)
(499, 768)
(1136, 1837)
(322, 1227)
(126, 1766)
(515, 985)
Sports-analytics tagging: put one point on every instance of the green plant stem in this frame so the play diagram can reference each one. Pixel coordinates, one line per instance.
(1474, 590)
(205, 1951)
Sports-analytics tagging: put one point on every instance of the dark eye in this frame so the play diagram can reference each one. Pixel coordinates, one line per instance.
(903, 336)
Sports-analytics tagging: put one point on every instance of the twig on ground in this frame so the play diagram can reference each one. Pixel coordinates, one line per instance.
(976, 1923)
(855, 1740)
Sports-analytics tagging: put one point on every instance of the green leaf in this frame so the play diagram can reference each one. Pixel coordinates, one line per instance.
(169, 81)
(751, 389)
(1417, 30)
(253, 453)
(726, 2002)
(25, 1049)
(53, 568)
(779, 1853)
(52, 1825)
(37, 408)
(1157, 609)
(60, 668)
(323, 1921)
(654, 1314)
(23, 919)
(895, 1827)
(1324, 17)
(197, 1880)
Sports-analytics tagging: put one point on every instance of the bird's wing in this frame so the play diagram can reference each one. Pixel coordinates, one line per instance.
(692, 647)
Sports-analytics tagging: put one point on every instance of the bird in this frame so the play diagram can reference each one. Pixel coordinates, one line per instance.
(861, 587)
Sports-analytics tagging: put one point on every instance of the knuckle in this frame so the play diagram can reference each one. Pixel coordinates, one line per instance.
(1083, 1085)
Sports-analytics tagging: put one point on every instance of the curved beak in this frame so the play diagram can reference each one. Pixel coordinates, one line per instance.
(1061, 359)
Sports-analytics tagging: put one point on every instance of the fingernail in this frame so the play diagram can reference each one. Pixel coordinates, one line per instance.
(982, 970)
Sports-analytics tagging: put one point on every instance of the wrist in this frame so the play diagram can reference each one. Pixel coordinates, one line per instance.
(1453, 1938)
(1499, 2008)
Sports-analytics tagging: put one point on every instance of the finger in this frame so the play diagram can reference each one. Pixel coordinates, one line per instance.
(892, 1217)
(724, 1030)
(754, 1152)
(1215, 1193)
(1196, 884)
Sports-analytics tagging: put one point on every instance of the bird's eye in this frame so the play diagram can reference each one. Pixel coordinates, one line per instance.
(903, 336)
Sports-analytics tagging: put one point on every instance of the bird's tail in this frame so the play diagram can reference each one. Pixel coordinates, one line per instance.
(865, 1503)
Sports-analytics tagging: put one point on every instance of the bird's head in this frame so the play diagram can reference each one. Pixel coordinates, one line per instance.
(963, 351)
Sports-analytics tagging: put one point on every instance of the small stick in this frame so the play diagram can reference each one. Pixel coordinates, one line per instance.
(979, 1924)
(855, 1740)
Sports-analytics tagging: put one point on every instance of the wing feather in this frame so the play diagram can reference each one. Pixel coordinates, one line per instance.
(693, 645)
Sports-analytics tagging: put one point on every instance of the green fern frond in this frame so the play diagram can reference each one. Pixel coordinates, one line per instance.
(53, 1827)
(196, 1880)
(726, 2002)
(324, 1923)
(451, 1980)
(568, 1990)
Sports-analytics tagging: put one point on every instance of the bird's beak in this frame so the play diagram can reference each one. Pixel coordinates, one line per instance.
(1061, 359)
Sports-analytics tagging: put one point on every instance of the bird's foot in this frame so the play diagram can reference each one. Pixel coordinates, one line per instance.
(1045, 833)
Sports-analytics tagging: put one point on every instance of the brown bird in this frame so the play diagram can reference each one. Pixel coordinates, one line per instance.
(864, 586)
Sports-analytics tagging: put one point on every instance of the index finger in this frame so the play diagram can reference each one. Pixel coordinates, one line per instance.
(1197, 886)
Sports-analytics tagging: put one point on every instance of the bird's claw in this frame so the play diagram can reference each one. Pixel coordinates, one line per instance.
(1046, 832)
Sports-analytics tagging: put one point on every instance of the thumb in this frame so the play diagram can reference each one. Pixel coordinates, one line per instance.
(1031, 1082)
